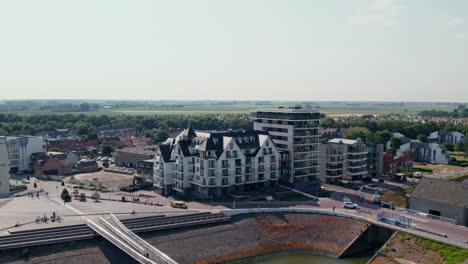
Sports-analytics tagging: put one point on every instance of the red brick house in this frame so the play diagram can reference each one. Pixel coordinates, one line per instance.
(389, 165)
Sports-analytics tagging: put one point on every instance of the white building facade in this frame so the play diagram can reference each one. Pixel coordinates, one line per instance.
(295, 132)
(4, 169)
(20, 149)
(215, 164)
(425, 152)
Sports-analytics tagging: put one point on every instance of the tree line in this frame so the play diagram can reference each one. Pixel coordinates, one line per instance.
(82, 124)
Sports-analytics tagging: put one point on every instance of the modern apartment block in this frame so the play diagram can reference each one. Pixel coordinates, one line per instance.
(4, 169)
(375, 154)
(343, 159)
(295, 132)
(20, 149)
(216, 163)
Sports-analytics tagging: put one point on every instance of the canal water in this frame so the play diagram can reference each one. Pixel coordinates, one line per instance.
(298, 258)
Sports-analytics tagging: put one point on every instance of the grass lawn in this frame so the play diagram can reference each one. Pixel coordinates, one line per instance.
(396, 195)
(458, 178)
(458, 155)
(410, 247)
(439, 167)
(290, 196)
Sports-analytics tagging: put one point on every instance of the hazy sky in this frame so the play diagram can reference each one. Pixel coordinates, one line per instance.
(402, 50)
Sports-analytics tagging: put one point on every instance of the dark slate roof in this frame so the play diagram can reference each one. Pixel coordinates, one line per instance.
(165, 150)
(210, 140)
(214, 141)
(87, 163)
(451, 192)
(188, 133)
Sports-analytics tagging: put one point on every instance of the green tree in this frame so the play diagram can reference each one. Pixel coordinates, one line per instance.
(161, 136)
(448, 146)
(96, 196)
(81, 128)
(92, 136)
(327, 122)
(84, 107)
(65, 196)
(107, 150)
(358, 132)
(382, 136)
(395, 143)
(422, 138)
(459, 146)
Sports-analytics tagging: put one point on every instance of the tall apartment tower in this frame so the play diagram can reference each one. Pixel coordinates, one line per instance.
(295, 132)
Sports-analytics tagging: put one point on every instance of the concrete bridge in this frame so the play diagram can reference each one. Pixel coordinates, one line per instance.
(122, 237)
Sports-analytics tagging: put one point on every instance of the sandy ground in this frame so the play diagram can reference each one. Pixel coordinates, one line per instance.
(106, 178)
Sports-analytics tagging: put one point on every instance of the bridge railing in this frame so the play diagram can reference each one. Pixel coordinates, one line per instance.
(422, 214)
(123, 236)
(118, 243)
(159, 254)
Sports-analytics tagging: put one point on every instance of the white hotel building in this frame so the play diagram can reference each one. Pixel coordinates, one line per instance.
(216, 163)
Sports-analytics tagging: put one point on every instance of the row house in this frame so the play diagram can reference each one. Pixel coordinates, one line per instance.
(216, 163)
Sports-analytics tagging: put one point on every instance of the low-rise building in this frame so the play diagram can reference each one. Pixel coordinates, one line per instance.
(443, 136)
(216, 163)
(51, 166)
(87, 166)
(441, 198)
(4, 169)
(144, 172)
(391, 165)
(58, 134)
(424, 152)
(20, 149)
(343, 159)
(130, 157)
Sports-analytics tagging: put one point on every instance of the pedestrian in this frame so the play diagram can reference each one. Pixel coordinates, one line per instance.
(333, 208)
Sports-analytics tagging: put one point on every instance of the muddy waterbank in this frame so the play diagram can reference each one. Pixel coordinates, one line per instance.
(244, 236)
(256, 234)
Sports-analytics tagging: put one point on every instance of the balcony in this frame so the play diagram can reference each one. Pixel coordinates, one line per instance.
(198, 182)
(334, 176)
(357, 173)
(252, 180)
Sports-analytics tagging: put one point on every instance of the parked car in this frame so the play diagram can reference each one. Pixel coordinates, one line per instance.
(376, 198)
(422, 214)
(25, 181)
(350, 205)
(181, 205)
(372, 184)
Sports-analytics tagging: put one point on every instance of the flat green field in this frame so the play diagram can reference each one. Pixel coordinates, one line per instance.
(329, 108)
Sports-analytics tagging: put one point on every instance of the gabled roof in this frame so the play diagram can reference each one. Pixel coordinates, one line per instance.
(165, 150)
(451, 192)
(212, 141)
